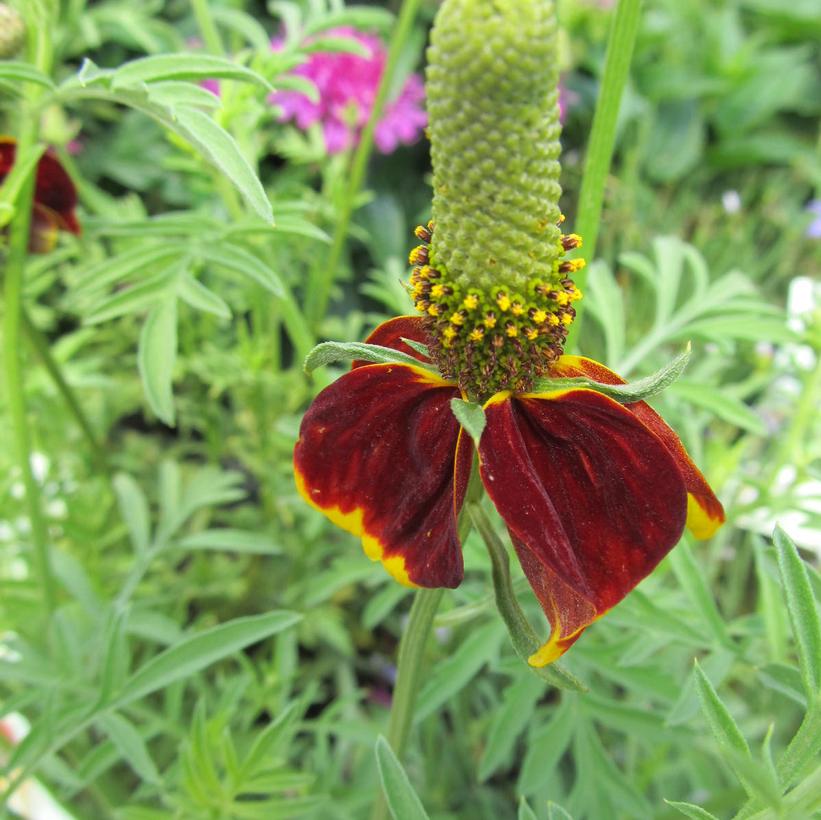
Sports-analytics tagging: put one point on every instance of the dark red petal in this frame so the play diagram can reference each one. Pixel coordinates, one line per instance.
(704, 511)
(53, 189)
(377, 454)
(7, 151)
(592, 499)
(390, 334)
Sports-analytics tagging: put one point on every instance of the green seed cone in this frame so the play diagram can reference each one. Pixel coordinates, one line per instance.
(492, 97)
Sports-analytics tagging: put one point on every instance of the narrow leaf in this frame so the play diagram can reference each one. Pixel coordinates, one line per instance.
(232, 540)
(134, 510)
(803, 611)
(639, 390)
(194, 293)
(403, 802)
(156, 356)
(329, 352)
(237, 259)
(689, 810)
(130, 745)
(196, 652)
(19, 72)
(219, 146)
(183, 67)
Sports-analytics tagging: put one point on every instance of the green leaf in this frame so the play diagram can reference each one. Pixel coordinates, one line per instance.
(336, 45)
(183, 67)
(689, 810)
(219, 146)
(727, 408)
(692, 580)
(267, 742)
(237, 259)
(173, 94)
(509, 721)
(194, 293)
(19, 72)
(803, 611)
(455, 672)
(364, 17)
(196, 652)
(134, 510)
(156, 356)
(329, 352)
(423, 350)
(556, 812)
(638, 390)
(403, 802)
(525, 812)
(148, 257)
(471, 416)
(135, 297)
(130, 745)
(547, 746)
(734, 749)
(243, 541)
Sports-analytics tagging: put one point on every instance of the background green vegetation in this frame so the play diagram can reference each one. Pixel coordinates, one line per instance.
(212, 648)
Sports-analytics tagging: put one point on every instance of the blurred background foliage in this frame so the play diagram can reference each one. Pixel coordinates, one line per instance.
(217, 649)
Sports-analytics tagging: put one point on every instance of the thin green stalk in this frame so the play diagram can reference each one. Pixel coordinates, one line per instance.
(322, 275)
(603, 136)
(41, 348)
(409, 670)
(207, 27)
(27, 136)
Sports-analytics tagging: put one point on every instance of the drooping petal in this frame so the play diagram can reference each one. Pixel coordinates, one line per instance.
(56, 191)
(592, 498)
(390, 334)
(704, 511)
(377, 453)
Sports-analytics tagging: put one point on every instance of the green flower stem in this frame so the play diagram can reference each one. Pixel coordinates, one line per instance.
(603, 138)
(207, 27)
(41, 348)
(322, 275)
(39, 46)
(409, 669)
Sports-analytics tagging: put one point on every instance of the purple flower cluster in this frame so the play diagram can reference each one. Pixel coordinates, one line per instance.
(347, 86)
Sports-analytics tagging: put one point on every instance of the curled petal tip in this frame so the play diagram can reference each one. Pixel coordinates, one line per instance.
(703, 519)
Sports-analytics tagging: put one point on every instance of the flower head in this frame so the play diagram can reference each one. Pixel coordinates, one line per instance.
(347, 86)
(55, 198)
(594, 492)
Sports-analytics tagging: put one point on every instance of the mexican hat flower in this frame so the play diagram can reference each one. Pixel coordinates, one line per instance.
(594, 491)
(55, 198)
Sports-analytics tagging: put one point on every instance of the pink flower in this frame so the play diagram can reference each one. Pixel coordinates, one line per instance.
(347, 86)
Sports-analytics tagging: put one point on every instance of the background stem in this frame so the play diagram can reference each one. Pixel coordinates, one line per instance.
(27, 136)
(322, 275)
(603, 139)
(409, 669)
